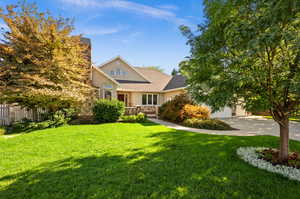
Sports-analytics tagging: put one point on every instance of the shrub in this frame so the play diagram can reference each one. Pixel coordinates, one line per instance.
(194, 111)
(2, 130)
(212, 124)
(140, 118)
(51, 120)
(171, 110)
(108, 110)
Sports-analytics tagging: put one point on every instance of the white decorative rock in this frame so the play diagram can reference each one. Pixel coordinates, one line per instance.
(250, 155)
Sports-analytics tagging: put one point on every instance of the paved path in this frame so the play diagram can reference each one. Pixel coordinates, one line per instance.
(248, 126)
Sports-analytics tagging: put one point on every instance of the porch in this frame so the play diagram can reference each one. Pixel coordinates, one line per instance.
(150, 111)
(139, 102)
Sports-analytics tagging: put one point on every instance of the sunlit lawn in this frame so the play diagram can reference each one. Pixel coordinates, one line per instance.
(295, 119)
(134, 161)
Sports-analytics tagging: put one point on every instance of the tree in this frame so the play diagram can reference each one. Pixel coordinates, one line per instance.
(42, 64)
(249, 51)
(174, 72)
(157, 68)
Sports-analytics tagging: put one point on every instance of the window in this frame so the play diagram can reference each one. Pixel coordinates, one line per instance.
(107, 94)
(155, 100)
(118, 71)
(112, 72)
(144, 99)
(108, 86)
(149, 99)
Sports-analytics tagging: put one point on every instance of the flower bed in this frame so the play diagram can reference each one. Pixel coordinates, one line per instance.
(250, 155)
(272, 155)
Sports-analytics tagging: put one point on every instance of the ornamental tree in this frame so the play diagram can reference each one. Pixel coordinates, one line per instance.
(42, 64)
(249, 52)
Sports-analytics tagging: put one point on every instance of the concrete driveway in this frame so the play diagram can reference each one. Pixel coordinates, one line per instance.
(248, 126)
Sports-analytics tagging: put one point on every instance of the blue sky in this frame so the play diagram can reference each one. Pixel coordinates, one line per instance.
(144, 32)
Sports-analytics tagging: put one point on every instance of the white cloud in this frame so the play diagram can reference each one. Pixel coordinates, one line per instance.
(161, 13)
(169, 7)
(94, 30)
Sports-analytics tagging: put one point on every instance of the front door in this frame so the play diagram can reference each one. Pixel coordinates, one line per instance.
(121, 97)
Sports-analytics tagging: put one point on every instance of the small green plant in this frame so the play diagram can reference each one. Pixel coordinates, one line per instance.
(139, 118)
(108, 110)
(212, 124)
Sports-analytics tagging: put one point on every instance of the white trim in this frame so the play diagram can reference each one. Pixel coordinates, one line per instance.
(132, 67)
(104, 74)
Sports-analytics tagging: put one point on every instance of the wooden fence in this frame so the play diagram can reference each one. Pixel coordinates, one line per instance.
(13, 113)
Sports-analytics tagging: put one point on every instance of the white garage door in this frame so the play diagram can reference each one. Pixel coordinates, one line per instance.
(225, 113)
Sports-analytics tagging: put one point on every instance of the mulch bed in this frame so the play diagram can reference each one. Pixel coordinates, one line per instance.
(272, 155)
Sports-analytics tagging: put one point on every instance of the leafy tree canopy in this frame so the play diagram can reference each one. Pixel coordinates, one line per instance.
(249, 51)
(42, 64)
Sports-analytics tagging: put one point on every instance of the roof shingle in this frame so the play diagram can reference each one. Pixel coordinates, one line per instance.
(177, 81)
(157, 81)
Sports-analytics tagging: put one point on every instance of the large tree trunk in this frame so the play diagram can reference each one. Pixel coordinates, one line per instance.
(284, 140)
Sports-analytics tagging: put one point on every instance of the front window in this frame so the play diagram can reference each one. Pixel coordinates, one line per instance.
(155, 99)
(144, 99)
(149, 99)
(107, 94)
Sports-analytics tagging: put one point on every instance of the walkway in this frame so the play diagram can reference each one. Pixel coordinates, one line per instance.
(248, 126)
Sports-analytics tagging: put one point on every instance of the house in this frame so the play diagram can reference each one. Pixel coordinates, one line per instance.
(140, 87)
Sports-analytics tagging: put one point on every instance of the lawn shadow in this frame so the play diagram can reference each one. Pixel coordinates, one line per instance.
(188, 165)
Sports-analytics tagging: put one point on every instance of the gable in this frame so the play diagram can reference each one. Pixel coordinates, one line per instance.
(101, 80)
(118, 69)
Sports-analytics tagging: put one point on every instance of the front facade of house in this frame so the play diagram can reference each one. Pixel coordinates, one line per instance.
(135, 86)
(139, 87)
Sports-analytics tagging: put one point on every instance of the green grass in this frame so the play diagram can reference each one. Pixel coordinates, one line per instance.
(295, 119)
(134, 161)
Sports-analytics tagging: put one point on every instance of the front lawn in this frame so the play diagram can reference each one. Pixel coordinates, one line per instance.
(134, 161)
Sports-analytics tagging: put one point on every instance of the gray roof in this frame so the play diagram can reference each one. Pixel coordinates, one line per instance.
(177, 81)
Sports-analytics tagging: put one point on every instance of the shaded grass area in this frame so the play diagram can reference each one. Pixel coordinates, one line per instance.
(124, 160)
